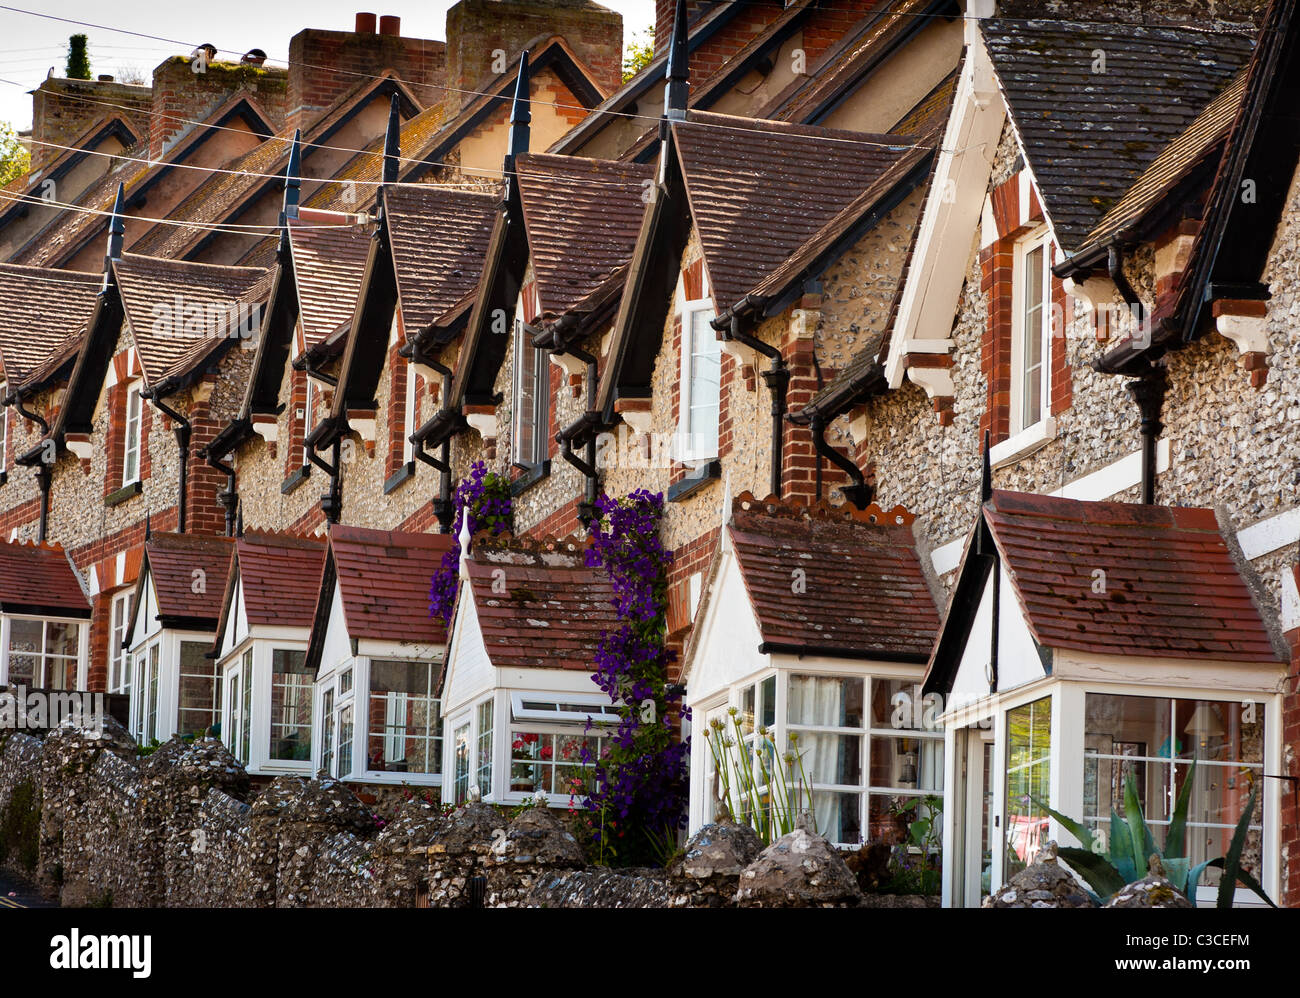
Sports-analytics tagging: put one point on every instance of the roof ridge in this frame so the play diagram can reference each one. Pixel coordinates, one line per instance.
(873, 514)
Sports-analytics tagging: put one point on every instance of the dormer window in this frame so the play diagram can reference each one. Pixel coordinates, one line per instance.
(132, 436)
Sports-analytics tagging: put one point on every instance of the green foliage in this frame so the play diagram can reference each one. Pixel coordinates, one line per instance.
(1108, 866)
(78, 60)
(640, 51)
(914, 864)
(20, 826)
(15, 158)
(759, 774)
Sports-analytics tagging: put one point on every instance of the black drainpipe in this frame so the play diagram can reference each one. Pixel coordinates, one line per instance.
(44, 474)
(1148, 391)
(183, 432)
(228, 498)
(584, 427)
(777, 378)
(443, 507)
(34, 417)
(332, 502)
(859, 493)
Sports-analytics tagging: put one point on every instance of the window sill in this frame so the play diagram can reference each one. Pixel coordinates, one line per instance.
(296, 479)
(1023, 444)
(530, 478)
(398, 477)
(692, 483)
(123, 494)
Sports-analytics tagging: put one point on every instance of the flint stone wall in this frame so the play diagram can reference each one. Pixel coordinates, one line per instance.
(182, 828)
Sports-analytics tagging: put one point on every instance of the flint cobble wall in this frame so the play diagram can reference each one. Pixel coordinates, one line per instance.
(182, 828)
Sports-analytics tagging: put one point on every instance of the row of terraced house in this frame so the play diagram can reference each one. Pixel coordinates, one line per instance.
(958, 338)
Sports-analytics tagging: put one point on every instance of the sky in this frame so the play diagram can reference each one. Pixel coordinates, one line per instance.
(30, 45)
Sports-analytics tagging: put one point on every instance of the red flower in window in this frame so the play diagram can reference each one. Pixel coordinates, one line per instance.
(546, 752)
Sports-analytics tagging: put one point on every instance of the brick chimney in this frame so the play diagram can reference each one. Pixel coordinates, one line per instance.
(323, 65)
(483, 32)
(63, 109)
(664, 19)
(182, 96)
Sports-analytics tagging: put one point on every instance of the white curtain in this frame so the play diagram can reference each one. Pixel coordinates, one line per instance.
(818, 700)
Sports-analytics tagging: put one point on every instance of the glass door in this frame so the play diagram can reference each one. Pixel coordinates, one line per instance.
(973, 819)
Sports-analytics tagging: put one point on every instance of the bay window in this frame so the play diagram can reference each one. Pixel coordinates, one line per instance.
(1155, 740)
(831, 736)
(44, 654)
(380, 720)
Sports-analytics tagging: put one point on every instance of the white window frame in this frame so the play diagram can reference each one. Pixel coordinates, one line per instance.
(356, 696)
(1040, 239)
(733, 697)
(688, 439)
(132, 430)
(168, 643)
(538, 414)
(119, 658)
(409, 414)
(309, 401)
(83, 637)
(604, 711)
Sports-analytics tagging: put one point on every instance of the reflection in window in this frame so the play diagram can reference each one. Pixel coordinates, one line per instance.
(200, 703)
(483, 769)
(44, 654)
(291, 682)
(1154, 740)
(460, 741)
(1029, 773)
(405, 734)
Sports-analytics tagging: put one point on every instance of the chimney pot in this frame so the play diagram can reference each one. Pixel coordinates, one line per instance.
(365, 23)
(253, 57)
(390, 24)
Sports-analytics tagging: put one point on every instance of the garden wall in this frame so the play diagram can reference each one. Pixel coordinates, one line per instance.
(92, 824)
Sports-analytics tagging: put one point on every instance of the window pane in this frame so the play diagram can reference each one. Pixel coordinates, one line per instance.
(199, 702)
(827, 701)
(460, 741)
(1032, 331)
(290, 706)
(327, 732)
(907, 763)
(838, 816)
(561, 765)
(1029, 770)
(483, 768)
(705, 378)
(345, 741)
(831, 758)
(151, 699)
(25, 637)
(405, 733)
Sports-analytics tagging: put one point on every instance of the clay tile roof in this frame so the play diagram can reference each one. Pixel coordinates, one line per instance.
(329, 258)
(583, 217)
(759, 190)
(174, 560)
(383, 578)
(40, 310)
(169, 347)
(1088, 136)
(438, 238)
(1172, 587)
(281, 576)
(554, 612)
(39, 578)
(1175, 162)
(866, 595)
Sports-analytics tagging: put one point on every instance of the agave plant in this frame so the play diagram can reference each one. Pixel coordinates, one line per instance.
(1107, 867)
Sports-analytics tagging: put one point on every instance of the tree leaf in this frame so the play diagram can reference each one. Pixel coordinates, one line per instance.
(1076, 828)
(1175, 839)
